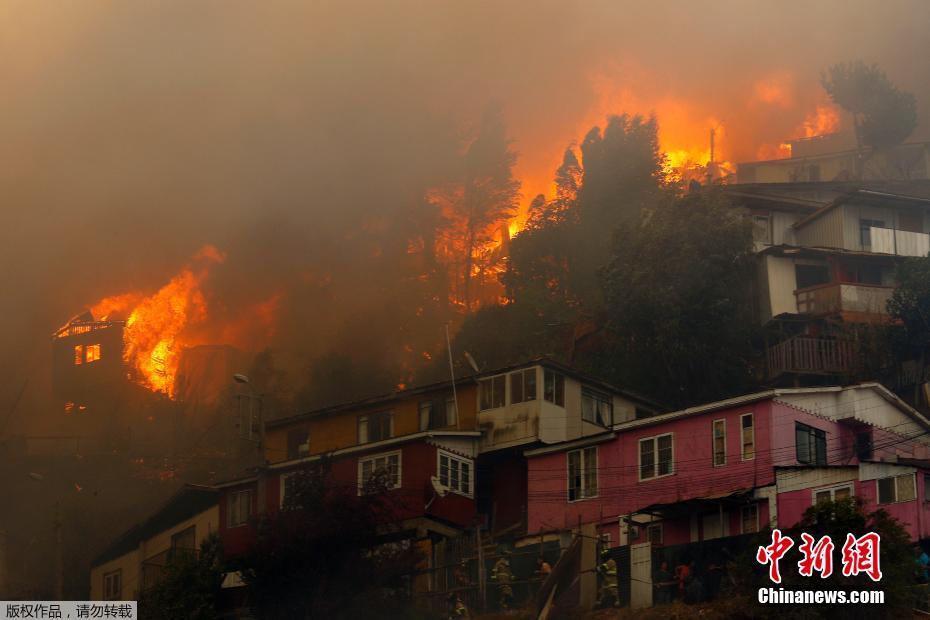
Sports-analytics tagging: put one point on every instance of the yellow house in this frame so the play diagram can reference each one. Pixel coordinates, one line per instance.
(135, 561)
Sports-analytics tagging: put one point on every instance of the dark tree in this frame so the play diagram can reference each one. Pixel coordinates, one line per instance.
(189, 587)
(883, 115)
(326, 553)
(678, 302)
(835, 519)
(910, 307)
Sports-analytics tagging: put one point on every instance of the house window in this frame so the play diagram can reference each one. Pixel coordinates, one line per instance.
(720, 442)
(287, 487)
(762, 229)
(654, 533)
(523, 385)
(810, 444)
(375, 427)
(78, 354)
(863, 445)
(386, 465)
(298, 443)
(807, 276)
(656, 456)
(896, 489)
(113, 585)
(91, 353)
(554, 387)
(833, 494)
(185, 539)
(749, 518)
(240, 507)
(596, 407)
(437, 413)
(582, 474)
(865, 234)
(748, 435)
(455, 473)
(493, 392)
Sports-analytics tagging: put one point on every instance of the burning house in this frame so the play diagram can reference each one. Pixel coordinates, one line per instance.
(87, 361)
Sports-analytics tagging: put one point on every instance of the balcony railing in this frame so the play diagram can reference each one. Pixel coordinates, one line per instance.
(835, 298)
(900, 242)
(806, 355)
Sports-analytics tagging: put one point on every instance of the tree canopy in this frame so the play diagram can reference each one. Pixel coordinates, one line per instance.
(325, 555)
(883, 115)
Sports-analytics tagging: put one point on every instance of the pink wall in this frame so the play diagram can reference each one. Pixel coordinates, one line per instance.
(621, 492)
(914, 514)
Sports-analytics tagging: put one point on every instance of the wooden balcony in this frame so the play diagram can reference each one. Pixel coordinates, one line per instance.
(837, 298)
(806, 355)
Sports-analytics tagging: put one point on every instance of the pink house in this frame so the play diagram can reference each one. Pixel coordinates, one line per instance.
(735, 466)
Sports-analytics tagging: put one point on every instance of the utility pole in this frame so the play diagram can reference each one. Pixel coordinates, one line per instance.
(59, 561)
(4, 574)
(482, 587)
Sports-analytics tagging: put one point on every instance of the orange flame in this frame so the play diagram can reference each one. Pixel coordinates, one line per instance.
(156, 324)
(821, 121)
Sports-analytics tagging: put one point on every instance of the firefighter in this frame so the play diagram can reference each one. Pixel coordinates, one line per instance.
(502, 575)
(610, 596)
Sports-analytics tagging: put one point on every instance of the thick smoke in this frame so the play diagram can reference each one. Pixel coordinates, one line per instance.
(300, 138)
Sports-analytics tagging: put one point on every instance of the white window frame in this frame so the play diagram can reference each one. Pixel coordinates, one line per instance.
(713, 442)
(470, 492)
(756, 218)
(836, 487)
(521, 375)
(229, 508)
(655, 463)
(598, 397)
(584, 471)
(490, 381)
(913, 478)
(742, 518)
(375, 457)
(557, 379)
(108, 589)
(742, 444)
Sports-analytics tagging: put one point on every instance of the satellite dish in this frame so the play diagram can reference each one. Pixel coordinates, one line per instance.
(471, 362)
(438, 487)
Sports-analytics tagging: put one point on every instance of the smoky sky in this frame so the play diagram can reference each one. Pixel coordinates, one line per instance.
(133, 133)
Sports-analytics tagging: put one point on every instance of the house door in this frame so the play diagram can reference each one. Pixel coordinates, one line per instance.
(641, 576)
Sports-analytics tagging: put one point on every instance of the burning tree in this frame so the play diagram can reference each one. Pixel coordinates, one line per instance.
(479, 206)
